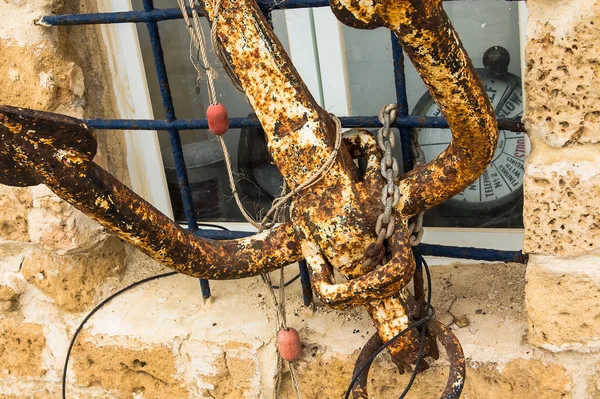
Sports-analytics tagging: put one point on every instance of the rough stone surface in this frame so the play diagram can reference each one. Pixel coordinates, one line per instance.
(72, 281)
(562, 61)
(562, 299)
(14, 205)
(21, 346)
(561, 210)
(519, 379)
(38, 81)
(231, 354)
(134, 369)
(593, 390)
(8, 298)
(235, 372)
(57, 226)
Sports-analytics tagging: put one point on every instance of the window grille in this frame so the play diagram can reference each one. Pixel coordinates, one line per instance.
(404, 122)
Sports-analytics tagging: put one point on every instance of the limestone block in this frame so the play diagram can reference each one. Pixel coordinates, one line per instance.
(14, 206)
(561, 212)
(72, 281)
(324, 377)
(593, 391)
(57, 226)
(40, 77)
(232, 371)
(131, 368)
(8, 297)
(562, 61)
(21, 346)
(563, 303)
(7, 293)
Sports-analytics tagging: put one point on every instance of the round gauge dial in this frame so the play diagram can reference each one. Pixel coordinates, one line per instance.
(503, 179)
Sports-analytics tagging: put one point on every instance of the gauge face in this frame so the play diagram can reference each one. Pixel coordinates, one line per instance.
(503, 179)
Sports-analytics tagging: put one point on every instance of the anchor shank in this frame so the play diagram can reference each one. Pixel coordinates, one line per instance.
(435, 50)
(300, 134)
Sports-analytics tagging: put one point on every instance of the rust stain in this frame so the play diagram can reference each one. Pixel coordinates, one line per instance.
(13, 127)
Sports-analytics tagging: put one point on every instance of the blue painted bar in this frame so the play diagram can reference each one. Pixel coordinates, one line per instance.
(492, 255)
(165, 14)
(307, 293)
(402, 101)
(444, 251)
(175, 140)
(514, 125)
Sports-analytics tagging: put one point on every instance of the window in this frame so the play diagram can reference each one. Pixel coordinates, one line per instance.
(334, 68)
(322, 48)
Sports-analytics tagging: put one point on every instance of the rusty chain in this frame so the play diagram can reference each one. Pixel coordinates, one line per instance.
(390, 194)
(415, 226)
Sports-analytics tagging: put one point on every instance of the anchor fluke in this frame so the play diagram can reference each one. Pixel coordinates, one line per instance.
(30, 138)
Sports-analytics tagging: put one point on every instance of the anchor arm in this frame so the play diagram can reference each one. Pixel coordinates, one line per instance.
(428, 38)
(299, 133)
(38, 147)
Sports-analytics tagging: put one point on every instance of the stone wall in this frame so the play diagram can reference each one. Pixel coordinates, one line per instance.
(562, 218)
(528, 332)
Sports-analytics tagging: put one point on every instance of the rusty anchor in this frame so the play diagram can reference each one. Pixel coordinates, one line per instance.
(333, 222)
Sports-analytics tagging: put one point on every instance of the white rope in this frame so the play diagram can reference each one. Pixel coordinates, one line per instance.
(277, 209)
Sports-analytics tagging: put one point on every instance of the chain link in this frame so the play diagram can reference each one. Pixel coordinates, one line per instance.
(390, 194)
(415, 226)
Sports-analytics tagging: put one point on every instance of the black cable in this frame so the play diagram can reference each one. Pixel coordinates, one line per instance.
(111, 297)
(100, 305)
(430, 313)
(290, 281)
(216, 226)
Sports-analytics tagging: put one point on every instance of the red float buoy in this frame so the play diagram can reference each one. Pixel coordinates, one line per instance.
(290, 347)
(218, 121)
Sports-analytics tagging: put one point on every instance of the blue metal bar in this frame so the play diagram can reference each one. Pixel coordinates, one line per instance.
(444, 251)
(167, 99)
(402, 101)
(491, 255)
(514, 125)
(165, 14)
(307, 294)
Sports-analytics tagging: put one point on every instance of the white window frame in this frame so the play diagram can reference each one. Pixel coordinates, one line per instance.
(330, 88)
(144, 160)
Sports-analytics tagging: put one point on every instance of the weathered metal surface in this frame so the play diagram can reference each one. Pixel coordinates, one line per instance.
(332, 222)
(57, 151)
(428, 38)
(359, 390)
(456, 357)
